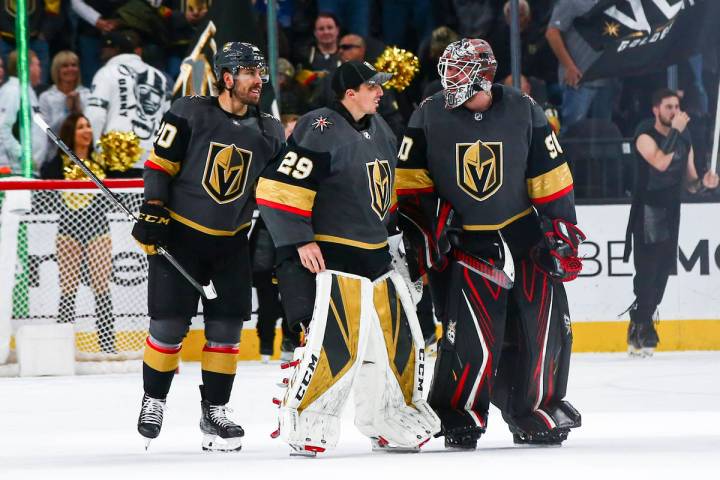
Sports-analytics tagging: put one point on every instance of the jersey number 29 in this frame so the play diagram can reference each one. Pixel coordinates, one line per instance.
(295, 167)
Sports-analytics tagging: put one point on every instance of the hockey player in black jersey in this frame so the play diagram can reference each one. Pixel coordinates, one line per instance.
(199, 182)
(328, 204)
(480, 170)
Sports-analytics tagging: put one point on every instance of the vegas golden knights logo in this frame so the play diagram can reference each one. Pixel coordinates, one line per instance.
(479, 168)
(226, 171)
(380, 183)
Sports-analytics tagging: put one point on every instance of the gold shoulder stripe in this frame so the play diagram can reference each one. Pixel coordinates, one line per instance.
(412, 179)
(285, 194)
(550, 183)
(210, 231)
(172, 168)
(499, 225)
(352, 243)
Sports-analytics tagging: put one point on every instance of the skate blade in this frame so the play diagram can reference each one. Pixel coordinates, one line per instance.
(647, 351)
(307, 451)
(214, 443)
(384, 446)
(634, 351)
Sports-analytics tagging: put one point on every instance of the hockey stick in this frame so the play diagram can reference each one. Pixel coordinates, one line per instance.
(716, 137)
(502, 277)
(207, 291)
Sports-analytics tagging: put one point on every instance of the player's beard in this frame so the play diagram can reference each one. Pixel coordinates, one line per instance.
(245, 96)
(666, 121)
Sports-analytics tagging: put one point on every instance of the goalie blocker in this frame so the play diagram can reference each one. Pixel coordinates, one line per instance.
(363, 334)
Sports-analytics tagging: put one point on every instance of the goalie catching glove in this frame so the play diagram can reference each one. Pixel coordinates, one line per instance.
(557, 253)
(151, 228)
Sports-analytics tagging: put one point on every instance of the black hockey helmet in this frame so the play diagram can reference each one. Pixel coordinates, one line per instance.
(237, 55)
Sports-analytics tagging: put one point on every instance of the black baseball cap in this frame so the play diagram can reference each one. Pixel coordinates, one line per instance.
(352, 74)
(124, 40)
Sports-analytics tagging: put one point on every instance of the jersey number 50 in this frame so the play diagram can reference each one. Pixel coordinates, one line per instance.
(295, 167)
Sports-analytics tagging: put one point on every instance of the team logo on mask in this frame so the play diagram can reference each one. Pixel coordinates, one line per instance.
(479, 168)
(380, 183)
(226, 172)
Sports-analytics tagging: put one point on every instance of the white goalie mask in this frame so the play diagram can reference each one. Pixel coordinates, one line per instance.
(466, 67)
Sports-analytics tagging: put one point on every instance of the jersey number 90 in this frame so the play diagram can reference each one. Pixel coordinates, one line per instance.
(298, 168)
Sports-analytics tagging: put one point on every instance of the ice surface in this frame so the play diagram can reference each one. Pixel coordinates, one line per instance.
(651, 418)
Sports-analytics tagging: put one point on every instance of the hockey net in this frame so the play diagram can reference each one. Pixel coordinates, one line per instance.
(67, 256)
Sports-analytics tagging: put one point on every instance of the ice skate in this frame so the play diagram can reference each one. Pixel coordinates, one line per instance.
(550, 438)
(379, 444)
(463, 438)
(287, 349)
(307, 451)
(634, 347)
(151, 417)
(220, 434)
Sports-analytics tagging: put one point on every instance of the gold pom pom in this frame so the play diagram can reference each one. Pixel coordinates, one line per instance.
(402, 64)
(73, 172)
(120, 150)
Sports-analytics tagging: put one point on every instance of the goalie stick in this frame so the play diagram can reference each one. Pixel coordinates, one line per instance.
(503, 277)
(207, 291)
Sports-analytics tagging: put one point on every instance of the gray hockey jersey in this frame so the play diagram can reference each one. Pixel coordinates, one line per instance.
(205, 163)
(335, 183)
(493, 167)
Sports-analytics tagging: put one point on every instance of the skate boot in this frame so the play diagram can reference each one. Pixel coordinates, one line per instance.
(220, 434)
(287, 348)
(463, 438)
(633, 341)
(151, 417)
(547, 426)
(647, 338)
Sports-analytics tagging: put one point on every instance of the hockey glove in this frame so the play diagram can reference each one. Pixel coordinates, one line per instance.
(151, 228)
(557, 253)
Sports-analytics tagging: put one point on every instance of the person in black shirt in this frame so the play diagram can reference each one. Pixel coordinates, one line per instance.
(666, 166)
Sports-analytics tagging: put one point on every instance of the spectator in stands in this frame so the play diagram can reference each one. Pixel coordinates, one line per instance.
(398, 16)
(354, 15)
(83, 235)
(98, 17)
(127, 94)
(470, 18)
(440, 38)
(666, 166)
(293, 96)
(67, 95)
(182, 19)
(322, 57)
(10, 149)
(538, 60)
(43, 23)
(593, 99)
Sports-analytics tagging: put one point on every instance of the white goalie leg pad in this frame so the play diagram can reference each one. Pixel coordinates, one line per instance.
(320, 385)
(389, 387)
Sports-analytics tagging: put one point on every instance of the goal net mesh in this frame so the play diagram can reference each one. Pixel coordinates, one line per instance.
(67, 256)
